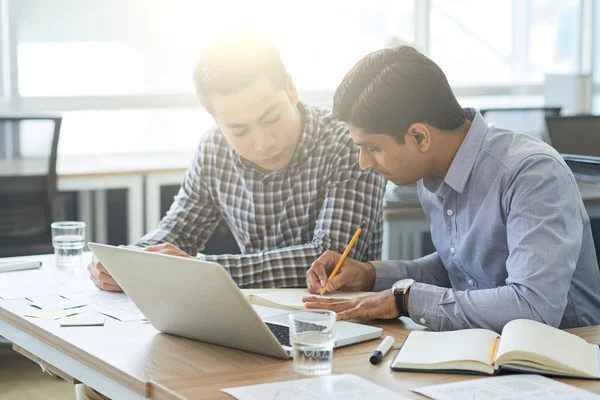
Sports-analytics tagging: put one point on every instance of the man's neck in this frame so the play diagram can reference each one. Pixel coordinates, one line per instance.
(448, 146)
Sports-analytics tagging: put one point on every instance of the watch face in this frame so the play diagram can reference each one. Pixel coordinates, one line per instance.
(403, 285)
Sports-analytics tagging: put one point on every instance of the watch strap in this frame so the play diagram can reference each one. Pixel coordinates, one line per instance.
(401, 304)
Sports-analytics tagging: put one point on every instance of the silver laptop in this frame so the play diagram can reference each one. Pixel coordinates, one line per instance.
(198, 299)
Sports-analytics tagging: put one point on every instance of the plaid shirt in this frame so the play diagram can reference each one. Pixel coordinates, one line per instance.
(281, 220)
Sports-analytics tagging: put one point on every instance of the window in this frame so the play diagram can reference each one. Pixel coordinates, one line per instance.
(326, 38)
(118, 47)
(521, 42)
(133, 131)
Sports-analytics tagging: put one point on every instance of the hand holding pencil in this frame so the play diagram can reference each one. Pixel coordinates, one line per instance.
(344, 255)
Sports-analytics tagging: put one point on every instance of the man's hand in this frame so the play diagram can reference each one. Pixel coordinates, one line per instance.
(381, 305)
(167, 248)
(101, 278)
(352, 276)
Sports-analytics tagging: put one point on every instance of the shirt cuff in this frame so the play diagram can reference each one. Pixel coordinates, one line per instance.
(385, 275)
(423, 302)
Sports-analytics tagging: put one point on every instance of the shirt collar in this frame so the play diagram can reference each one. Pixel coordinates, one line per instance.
(465, 157)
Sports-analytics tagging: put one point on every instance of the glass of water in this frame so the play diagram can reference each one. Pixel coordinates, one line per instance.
(312, 335)
(68, 239)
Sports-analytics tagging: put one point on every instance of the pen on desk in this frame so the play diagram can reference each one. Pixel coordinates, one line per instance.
(381, 350)
(19, 265)
(341, 261)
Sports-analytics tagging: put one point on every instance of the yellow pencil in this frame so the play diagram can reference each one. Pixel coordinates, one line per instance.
(341, 261)
(494, 350)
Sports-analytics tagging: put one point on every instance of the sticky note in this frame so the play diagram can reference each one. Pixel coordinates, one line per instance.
(50, 313)
(86, 319)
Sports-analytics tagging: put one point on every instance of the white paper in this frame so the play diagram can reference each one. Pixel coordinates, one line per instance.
(329, 387)
(55, 301)
(40, 282)
(85, 319)
(509, 387)
(114, 304)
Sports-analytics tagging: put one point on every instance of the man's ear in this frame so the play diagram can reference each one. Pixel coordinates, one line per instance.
(420, 136)
(291, 90)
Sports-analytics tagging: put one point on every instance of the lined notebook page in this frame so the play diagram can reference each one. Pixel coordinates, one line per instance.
(561, 346)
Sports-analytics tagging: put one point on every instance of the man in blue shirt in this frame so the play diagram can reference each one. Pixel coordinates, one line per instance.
(512, 235)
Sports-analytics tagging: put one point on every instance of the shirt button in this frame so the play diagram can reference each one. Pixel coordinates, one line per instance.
(449, 212)
(452, 250)
(422, 321)
(471, 282)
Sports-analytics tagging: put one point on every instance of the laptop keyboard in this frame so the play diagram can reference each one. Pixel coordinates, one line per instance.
(282, 333)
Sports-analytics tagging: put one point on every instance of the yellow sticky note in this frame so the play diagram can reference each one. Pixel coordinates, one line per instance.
(50, 313)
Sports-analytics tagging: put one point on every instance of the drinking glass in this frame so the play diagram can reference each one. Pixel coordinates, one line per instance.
(312, 335)
(68, 239)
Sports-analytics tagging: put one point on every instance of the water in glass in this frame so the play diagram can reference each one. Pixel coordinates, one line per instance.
(313, 353)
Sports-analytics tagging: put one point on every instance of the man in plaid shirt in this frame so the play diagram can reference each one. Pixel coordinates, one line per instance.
(284, 176)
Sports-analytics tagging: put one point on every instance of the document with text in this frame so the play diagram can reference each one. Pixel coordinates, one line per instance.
(113, 304)
(511, 387)
(329, 387)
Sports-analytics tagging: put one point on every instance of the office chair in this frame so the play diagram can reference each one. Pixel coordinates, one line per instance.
(587, 175)
(27, 189)
(529, 120)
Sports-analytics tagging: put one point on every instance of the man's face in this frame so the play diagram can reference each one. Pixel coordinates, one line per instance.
(262, 123)
(402, 164)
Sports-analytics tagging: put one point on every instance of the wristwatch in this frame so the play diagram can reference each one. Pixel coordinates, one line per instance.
(400, 290)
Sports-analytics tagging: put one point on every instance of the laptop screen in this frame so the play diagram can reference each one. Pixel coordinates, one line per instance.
(578, 135)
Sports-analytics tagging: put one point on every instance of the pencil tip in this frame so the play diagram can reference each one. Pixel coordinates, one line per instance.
(363, 223)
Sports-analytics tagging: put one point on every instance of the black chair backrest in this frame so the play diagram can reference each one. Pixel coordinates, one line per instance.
(575, 135)
(587, 175)
(28, 190)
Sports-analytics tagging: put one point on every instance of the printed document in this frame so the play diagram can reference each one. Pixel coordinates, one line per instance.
(329, 387)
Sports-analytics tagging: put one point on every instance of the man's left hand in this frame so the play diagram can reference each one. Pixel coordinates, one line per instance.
(376, 306)
(167, 248)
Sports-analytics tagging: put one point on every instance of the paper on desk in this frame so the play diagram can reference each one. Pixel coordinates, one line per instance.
(509, 387)
(291, 299)
(55, 301)
(50, 313)
(329, 387)
(113, 304)
(40, 282)
(85, 319)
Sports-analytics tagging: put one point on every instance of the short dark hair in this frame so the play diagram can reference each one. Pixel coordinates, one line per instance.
(233, 62)
(390, 89)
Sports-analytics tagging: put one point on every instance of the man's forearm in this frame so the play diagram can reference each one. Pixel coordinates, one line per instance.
(285, 267)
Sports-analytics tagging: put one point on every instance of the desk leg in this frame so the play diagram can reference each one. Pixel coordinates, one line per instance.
(153, 183)
(135, 210)
(100, 213)
(84, 209)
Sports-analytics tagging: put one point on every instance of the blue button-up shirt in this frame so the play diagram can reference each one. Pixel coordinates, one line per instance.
(512, 235)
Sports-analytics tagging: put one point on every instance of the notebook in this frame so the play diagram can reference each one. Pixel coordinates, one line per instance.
(291, 299)
(524, 346)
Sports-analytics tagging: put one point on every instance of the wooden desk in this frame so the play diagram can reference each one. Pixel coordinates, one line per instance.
(208, 386)
(122, 358)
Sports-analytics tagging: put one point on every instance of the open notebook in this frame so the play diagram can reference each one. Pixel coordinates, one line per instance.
(525, 346)
(291, 299)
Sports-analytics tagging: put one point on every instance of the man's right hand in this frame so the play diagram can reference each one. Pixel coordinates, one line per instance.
(101, 278)
(352, 276)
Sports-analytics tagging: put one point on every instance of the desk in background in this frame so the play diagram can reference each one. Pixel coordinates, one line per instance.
(140, 174)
